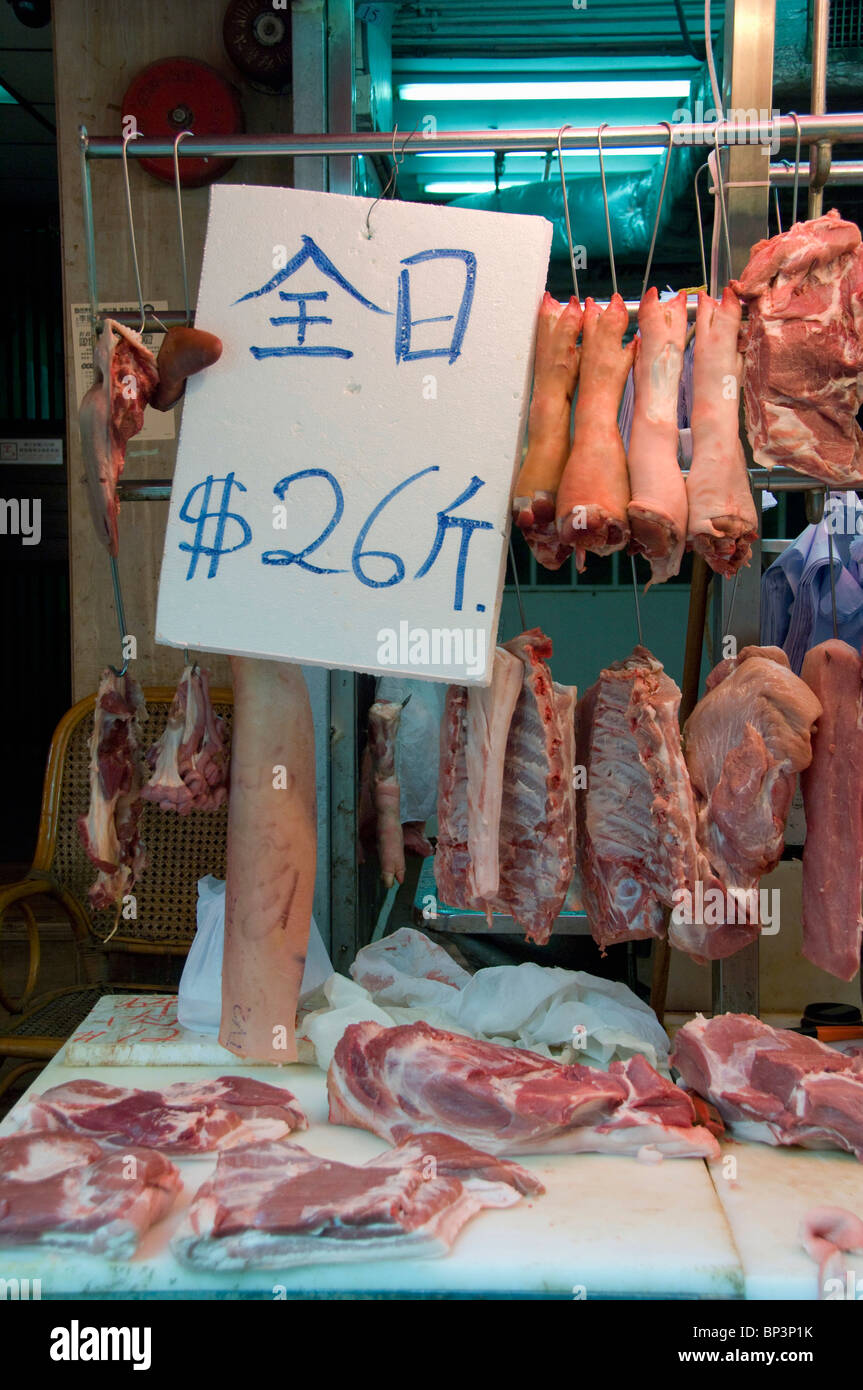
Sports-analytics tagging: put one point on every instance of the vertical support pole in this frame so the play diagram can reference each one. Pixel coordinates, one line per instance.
(340, 88)
(819, 155)
(89, 232)
(309, 63)
(748, 88)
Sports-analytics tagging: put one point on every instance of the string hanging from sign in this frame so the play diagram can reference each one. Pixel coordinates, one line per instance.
(393, 180)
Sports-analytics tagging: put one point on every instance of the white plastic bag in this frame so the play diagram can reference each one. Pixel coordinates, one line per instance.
(199, 1002)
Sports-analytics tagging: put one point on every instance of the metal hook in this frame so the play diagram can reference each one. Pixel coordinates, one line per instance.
(180, 232)
(705, 165)
(829, 525)
(731, 605)
(392, 181)
(796, 119)
(788, 165)
(637, 604)
(133, 135)
(599, 131)
(518, 597)
(668, 127)
(121, 614)
(720, 190)
(566, 209)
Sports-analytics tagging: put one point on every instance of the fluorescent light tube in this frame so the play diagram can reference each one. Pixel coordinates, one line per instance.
(621, 150)
(469, 185)
(626, 89)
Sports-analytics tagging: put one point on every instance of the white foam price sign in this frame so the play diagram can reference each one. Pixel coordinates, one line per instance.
(344, 471)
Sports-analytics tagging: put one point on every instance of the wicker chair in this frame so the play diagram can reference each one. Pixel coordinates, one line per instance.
(180, 850)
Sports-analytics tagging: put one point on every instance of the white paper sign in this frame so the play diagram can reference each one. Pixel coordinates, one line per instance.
(344, 471)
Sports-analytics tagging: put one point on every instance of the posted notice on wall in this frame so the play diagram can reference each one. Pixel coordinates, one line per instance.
(344, 472)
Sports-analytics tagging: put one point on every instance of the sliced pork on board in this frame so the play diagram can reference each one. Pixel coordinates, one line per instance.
(416, 1078)
(189, 763)
(833, 802)
(723, 521)
(66, 1193)
(505, 791)
(186, 1118)
(635, 822)
(803, 346)
(745, 742)
(594, 490)
(272, 846)
(276, 1206)
(111, 413)
(109, 830)
(658, 509)
(549, 429)
(773, 1085)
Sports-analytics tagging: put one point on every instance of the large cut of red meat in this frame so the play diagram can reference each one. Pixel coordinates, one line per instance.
(416, 1078)
(274, 1205)
(189, 762)
(745, 742)
(833, 802)
(635, 822)
(187, 1118)
(505, 791)
(111, 413)
(803, 349)
(109, 831)
(773, 1085)
(65, 1192)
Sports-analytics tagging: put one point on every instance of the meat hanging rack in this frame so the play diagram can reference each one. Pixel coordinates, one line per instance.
(735, 981)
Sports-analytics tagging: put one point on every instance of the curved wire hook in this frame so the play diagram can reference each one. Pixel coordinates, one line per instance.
(699, 170)
(668, 127)
(180, 232)
(599, 131)
(796, 119)
(566, 209)
(720, 190)
(393, 180)
(133, 135)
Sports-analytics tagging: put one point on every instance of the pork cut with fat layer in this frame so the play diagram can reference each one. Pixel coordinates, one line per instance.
(833, 801)
(594, 491)
(658, 508)
(723, 522)
(189, 762)
(745, 742)
(489, 717)
(274, 1206)
(415, 1078)
(803, 345)
(549, 425)
(66, 1193)
(111, 413)
(773, 1085)
(635, 822)
(186, 1118)
(109, 830)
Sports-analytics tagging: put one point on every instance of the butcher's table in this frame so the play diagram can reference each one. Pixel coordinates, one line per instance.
(607, 1227)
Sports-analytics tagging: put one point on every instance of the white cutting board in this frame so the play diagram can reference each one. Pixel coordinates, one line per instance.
(605, 1226)
(137, 1030)
(765, 1203)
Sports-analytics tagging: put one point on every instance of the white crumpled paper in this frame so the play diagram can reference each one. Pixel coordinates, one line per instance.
(566, 1014)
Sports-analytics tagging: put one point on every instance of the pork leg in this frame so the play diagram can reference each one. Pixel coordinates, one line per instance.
(658, 510)
(384, 717)
(548, 430)
(594, 490)
(272, 844)
(722, 517)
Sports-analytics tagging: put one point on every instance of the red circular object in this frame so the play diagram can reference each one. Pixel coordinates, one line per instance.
(177, 94)
(257, 39)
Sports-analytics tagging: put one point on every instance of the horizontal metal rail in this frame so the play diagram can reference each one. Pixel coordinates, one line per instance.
(835, 127)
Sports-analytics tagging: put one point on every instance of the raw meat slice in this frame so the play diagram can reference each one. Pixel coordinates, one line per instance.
(188, 1117)
(549, 429)
(536, 837)
(773, 1085)
(744, 742)
(824, 1233)
(722, 518)
(384, 717)
(833, 801)
(274, 1206)
(803, 345)
(658, 510)
(416, 1078)
(65, 1192)
(452, 856)
(635, 822)
(109, 831)
(594, 491)
(489, 716)
(272, 847)
(189, 762)
(111, 413)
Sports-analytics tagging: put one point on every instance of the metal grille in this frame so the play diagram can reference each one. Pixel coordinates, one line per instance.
(846, 24)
